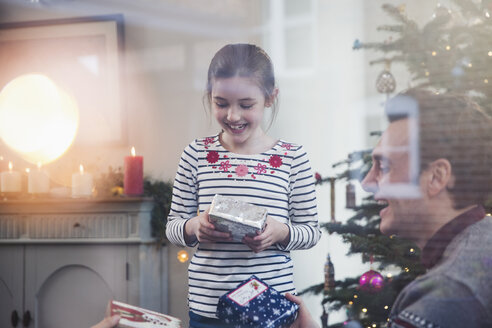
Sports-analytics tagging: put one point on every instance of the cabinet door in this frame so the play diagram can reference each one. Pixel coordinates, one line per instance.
(11, 282)
(70, 285)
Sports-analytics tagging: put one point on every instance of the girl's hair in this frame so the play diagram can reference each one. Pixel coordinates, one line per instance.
(243, 60)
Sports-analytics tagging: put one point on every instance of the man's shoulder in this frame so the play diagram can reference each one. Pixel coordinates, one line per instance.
(456, 288)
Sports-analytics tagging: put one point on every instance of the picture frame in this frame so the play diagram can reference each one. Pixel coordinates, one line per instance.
(82, 56)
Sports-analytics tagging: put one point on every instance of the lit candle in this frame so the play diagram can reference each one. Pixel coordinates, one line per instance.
(11, 180)
(3, 164)
(81, 183)
(38, 181)
(133, 176)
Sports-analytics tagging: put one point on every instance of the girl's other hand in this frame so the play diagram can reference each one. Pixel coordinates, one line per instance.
(275, 232)
(199, 228)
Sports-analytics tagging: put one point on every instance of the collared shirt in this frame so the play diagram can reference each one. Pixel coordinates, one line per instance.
(435, 247)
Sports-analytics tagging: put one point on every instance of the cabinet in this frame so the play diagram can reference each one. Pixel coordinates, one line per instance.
(61, 261)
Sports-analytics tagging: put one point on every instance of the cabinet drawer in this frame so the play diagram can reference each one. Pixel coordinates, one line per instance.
(53, 226)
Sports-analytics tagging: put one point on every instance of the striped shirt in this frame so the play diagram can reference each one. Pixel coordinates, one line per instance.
(279, 179)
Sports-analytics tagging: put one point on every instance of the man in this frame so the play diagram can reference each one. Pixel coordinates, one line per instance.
(432, 169)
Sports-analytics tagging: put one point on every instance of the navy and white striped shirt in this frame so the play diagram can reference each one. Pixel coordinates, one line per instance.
(279, 179)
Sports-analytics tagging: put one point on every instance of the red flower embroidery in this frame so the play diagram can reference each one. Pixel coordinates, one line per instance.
(287, 146)
(241, 170)
(275, 161)
(260, 168)
(225, 166)
(212, 157)
(208, 141)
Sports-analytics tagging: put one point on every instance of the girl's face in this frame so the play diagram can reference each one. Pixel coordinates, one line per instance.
(238, 105)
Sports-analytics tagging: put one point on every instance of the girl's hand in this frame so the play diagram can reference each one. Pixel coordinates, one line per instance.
(199, 228)
(275, 232)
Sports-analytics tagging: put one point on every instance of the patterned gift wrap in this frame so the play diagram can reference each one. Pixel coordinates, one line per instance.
(136, 317)
(237, 217)
(255, 304)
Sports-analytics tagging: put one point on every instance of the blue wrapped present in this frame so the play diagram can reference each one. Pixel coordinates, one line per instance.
(255, 304)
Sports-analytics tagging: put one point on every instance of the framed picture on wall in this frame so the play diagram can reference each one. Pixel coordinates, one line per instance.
(82, 56)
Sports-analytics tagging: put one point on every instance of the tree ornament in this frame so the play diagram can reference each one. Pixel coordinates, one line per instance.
(329, 275)
(332, 199)
(371, 281)
(441, 12)
(386, 83)
(350, 196)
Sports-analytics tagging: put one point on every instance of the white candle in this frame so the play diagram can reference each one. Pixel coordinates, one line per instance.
(11, 180)
(38, 181)
(81, 183)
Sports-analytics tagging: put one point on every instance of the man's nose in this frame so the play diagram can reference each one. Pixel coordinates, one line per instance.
(369, 182)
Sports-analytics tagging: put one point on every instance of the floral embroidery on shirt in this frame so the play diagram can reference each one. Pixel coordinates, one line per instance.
(208, 141)
(241, 170)
(275, 161)
(225, 166)
(260, 168)
(287, 146)
(212, 157)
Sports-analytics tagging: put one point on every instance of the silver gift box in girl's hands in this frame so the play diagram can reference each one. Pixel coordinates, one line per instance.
(239, 218)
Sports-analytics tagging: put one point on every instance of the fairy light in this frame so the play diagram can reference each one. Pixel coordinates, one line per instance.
(489, 214)
(389, 275)
(374, 325)
(355, 296)
(364, 310)
(386, 307)
(350, 303)
(448, 48)
(407, 270)
(183, 256)
(427, 73)
(434, 53)
(489, 53)
(470, 65)
(485, 81)
(411, 249)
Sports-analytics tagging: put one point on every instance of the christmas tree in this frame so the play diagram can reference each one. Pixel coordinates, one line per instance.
(452, 52)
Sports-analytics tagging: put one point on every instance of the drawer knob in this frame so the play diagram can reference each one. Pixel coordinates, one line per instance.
(14, 318)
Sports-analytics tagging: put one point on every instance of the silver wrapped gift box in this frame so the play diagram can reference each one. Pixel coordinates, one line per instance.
(237, 217)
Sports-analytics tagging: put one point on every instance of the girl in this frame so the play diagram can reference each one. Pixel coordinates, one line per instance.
(241, 161)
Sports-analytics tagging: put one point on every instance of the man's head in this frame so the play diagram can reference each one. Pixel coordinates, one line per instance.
(450, 165)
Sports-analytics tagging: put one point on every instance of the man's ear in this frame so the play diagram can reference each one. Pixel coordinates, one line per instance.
(440, 176)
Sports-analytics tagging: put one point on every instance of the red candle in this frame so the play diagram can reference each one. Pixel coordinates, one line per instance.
(133, 181)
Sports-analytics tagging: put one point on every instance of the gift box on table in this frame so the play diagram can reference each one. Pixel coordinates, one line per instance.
(239, 218)
(255, 304)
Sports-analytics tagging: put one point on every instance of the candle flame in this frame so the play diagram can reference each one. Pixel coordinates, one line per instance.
(10, 166)
(81, 169)
(133, 151)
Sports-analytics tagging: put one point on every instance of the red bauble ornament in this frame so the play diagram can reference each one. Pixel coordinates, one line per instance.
(371, 281)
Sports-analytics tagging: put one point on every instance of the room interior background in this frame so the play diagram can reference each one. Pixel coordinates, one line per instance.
(328, 101)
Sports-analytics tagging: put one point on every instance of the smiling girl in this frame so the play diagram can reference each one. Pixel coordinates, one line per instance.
(243, 162)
